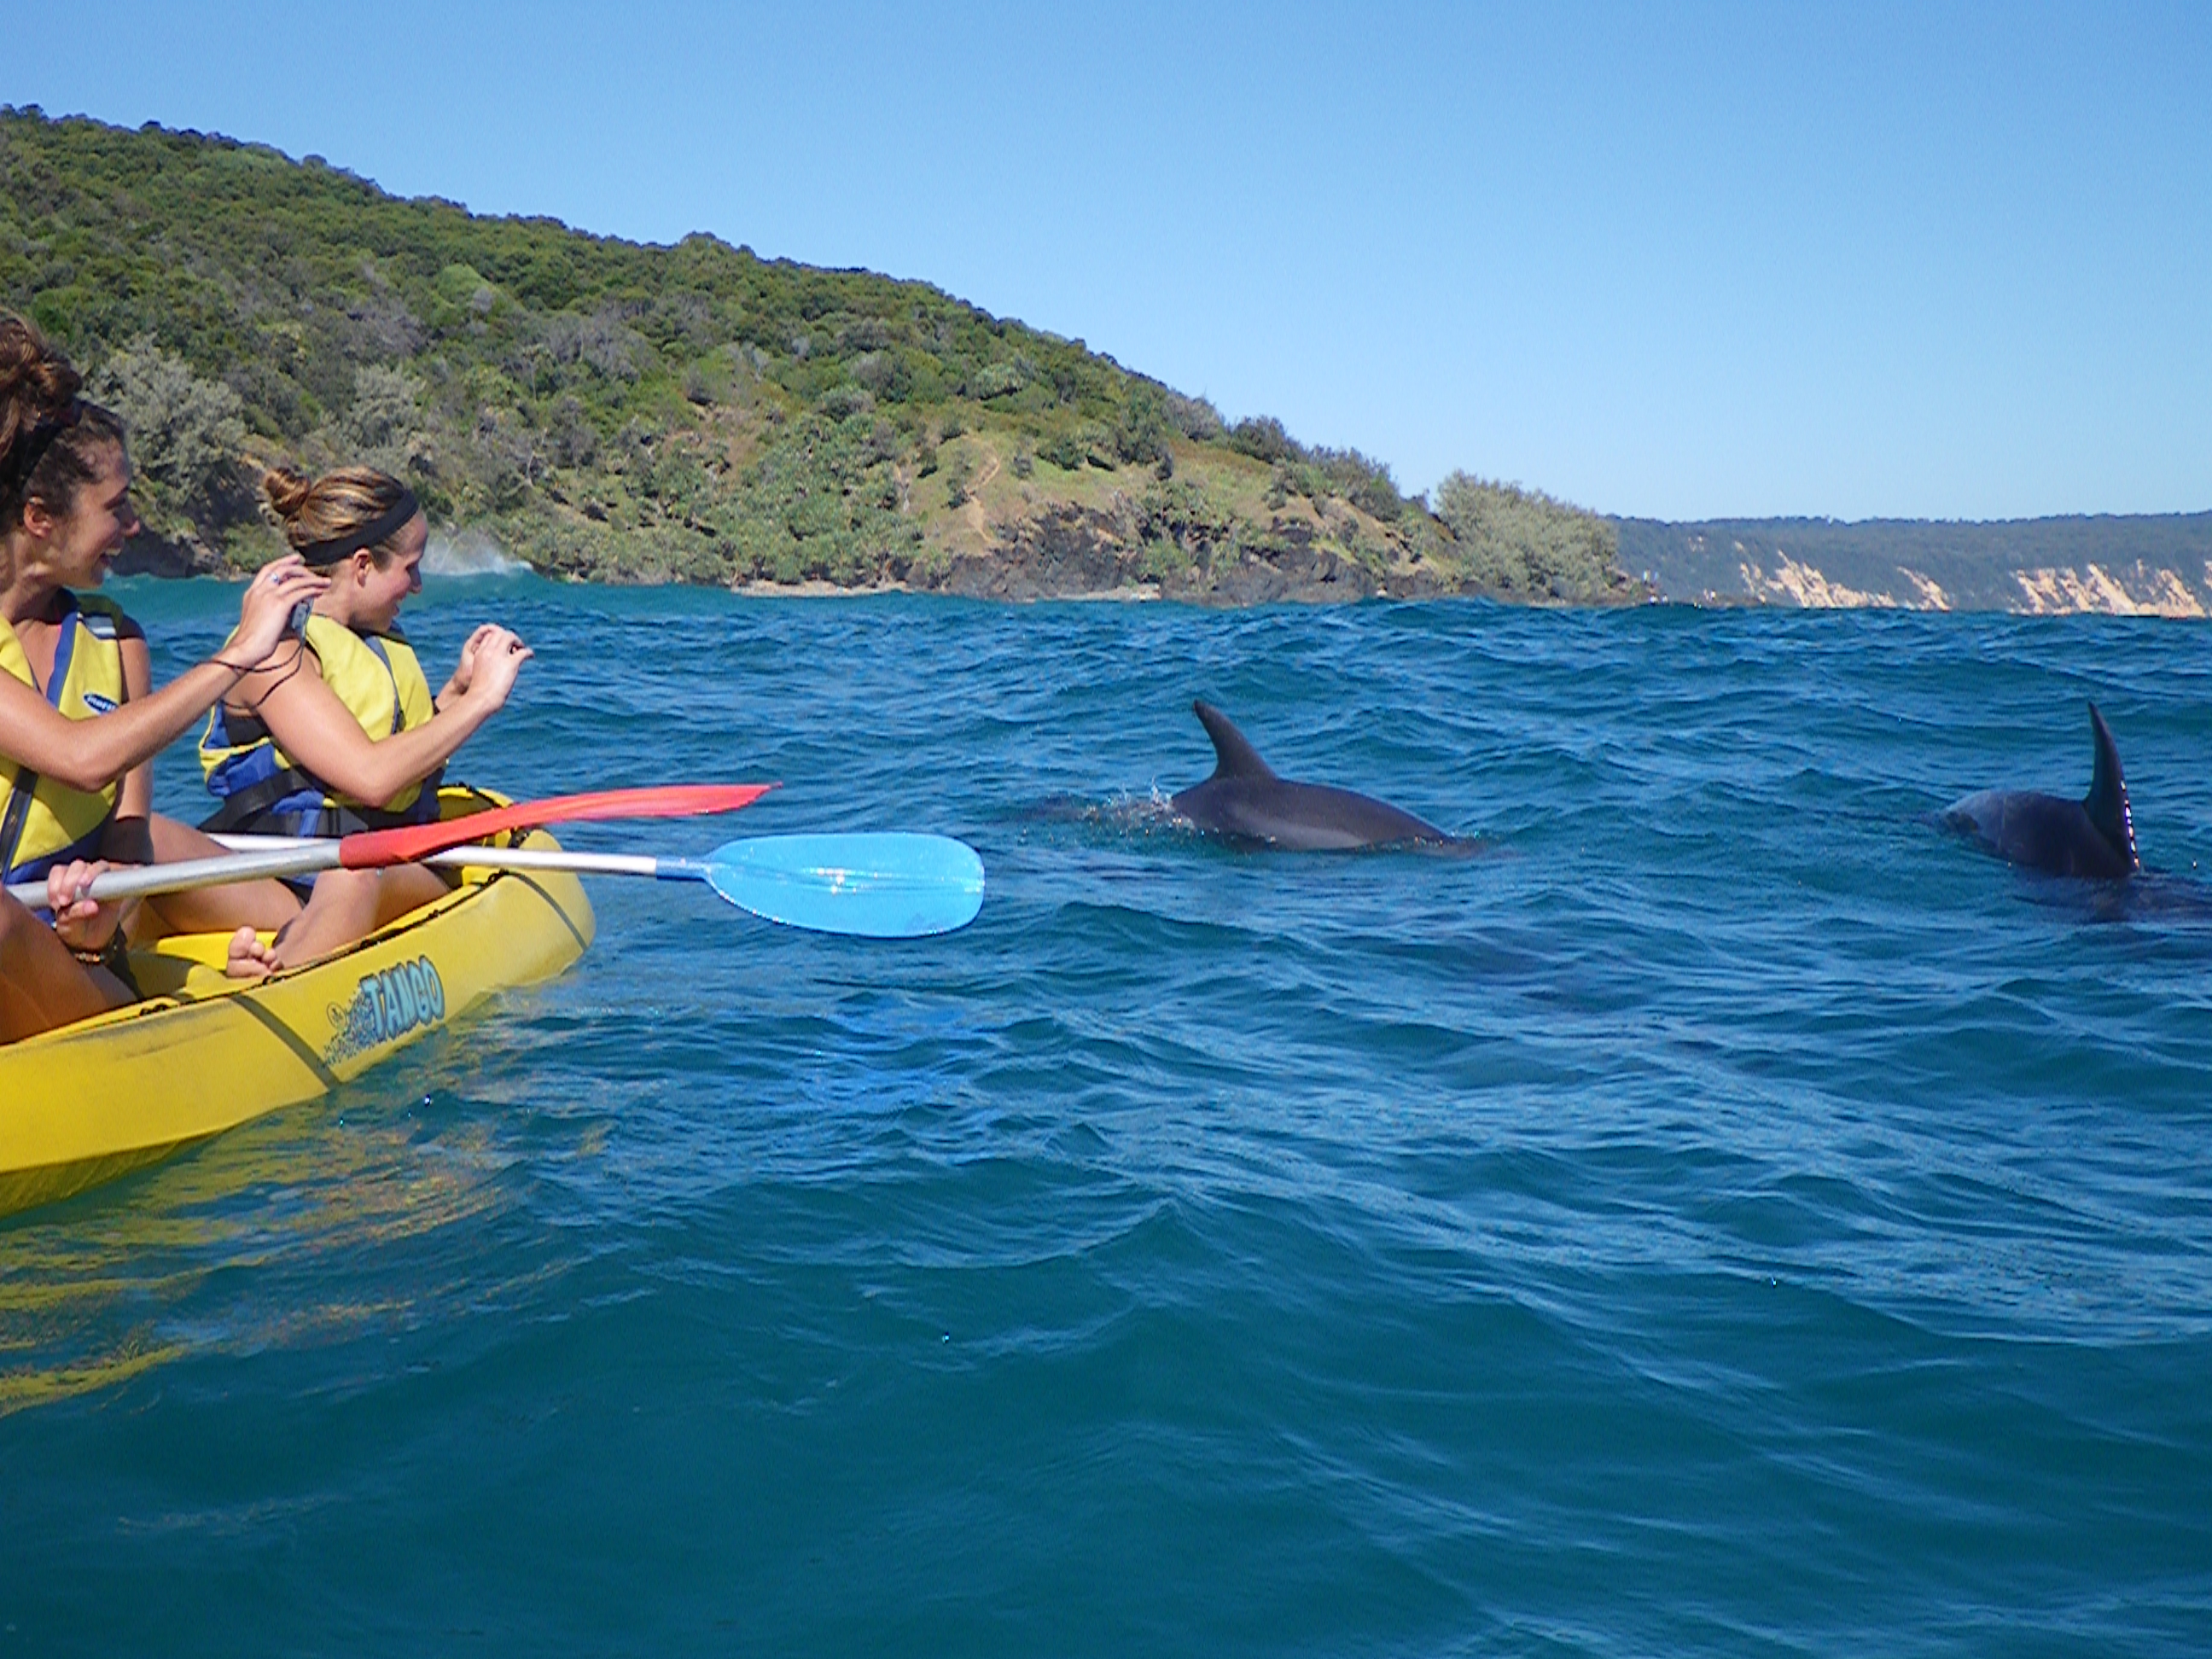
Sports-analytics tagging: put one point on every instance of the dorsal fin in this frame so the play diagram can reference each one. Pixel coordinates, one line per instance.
(2107, 803)
(1233, 756)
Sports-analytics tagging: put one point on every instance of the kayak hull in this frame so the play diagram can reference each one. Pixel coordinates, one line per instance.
(203, 1053)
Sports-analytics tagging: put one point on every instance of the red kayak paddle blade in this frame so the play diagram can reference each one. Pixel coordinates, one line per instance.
(373, 849)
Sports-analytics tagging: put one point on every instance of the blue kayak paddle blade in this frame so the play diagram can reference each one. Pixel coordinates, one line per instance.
(890, 885)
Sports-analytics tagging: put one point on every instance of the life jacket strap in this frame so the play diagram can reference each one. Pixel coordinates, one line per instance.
(246, 807)
(19, 810)
(25, 789)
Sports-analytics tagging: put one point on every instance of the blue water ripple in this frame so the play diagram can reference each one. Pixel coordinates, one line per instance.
(1728, 1216)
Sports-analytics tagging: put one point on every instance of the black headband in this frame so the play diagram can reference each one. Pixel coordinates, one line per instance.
(31, 449)
(368, 535)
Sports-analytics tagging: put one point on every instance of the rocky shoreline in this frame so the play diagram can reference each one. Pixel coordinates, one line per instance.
(1067, 551)
(1063, 552)
(1075, 552)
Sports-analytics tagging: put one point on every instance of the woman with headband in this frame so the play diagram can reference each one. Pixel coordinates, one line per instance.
(79, 718)
(342, 733)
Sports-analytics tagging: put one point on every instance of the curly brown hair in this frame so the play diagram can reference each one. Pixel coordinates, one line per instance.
(52, 442)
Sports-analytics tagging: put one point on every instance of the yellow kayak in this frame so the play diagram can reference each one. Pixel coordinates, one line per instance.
(203, 1053)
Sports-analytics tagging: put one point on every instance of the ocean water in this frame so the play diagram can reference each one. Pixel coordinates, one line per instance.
(1730, 1217)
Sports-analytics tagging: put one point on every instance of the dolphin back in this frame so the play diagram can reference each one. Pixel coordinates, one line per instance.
(1245, 801)
(2107, 803)
(2093, 837)
(1233, 756)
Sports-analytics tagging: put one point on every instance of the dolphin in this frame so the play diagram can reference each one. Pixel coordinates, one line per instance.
(1247, 802)
(2094, 836)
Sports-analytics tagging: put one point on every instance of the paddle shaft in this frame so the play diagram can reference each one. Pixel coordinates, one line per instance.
(510, 858)
(142, 880)
(283, 857)
(375, 849)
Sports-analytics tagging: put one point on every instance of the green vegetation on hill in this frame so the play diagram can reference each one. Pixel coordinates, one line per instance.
(691, 413)
(1521, 543)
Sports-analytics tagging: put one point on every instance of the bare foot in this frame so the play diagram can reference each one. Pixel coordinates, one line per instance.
(249, 958)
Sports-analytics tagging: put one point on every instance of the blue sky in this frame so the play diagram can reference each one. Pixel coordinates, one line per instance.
(1696, 261)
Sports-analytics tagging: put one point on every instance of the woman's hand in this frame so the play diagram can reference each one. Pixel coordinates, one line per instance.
(264, 615)
(82, 923)
(465, 670)
(492, 658)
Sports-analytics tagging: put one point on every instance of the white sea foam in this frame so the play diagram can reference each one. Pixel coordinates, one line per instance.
(472, 553)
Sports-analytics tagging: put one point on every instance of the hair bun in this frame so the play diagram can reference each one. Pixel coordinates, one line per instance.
(287, 491)
(35, 379)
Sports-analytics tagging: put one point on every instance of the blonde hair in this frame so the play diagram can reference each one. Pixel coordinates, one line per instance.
(314, 511)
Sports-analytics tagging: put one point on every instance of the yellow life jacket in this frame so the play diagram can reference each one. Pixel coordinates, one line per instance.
(44, 822)
(264, 790)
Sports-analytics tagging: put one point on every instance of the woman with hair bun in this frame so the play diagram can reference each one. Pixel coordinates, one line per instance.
(342, 734)
(79, 718)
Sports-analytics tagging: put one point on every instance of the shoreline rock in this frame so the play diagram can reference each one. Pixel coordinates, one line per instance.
(169, 557)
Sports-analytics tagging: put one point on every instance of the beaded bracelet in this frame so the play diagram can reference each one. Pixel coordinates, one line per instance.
(111, 955)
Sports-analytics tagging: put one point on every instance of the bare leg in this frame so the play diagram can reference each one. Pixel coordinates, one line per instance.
(41, 984)
(345, 905)
(157, 840)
